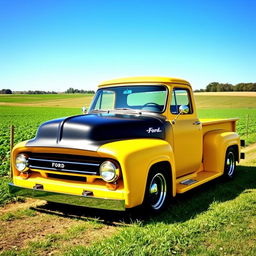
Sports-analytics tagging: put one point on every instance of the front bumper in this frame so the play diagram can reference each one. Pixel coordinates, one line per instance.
(87, 201)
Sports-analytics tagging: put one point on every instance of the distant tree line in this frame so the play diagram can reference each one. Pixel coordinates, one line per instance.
(226, 87)
(5, 91)
(34, 92)
(211, 87)
(72, 90)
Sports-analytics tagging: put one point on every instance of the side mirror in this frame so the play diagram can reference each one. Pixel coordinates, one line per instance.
(84, 110)
(183, 109)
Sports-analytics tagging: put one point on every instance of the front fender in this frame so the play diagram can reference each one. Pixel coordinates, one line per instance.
(136, 156)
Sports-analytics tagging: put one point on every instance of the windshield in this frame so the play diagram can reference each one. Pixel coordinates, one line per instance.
(143, 98)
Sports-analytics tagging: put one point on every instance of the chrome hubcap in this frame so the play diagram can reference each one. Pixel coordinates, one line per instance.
(153, 189)
(230, 163)
(157, 191)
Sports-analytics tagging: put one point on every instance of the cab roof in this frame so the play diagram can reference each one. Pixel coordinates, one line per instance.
(144, 79)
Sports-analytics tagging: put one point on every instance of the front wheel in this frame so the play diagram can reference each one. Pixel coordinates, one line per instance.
(230, 163)
(158, 192)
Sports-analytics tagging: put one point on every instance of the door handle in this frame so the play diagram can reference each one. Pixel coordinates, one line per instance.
(197, 123)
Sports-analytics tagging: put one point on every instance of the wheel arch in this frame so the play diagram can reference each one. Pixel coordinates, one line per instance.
(166, 165)
(236, 148)
(159, 178)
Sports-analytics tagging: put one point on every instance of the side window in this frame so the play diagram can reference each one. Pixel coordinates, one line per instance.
(180, 97)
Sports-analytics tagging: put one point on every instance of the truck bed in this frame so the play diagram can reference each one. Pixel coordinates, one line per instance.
(219, 124)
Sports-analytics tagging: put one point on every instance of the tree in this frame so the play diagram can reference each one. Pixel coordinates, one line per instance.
(70, 90)
(212, 87)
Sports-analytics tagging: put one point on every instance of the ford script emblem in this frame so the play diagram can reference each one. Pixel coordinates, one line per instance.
(58, 165)
(152, 130)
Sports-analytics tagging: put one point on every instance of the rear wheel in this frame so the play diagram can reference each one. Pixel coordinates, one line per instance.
(230, 163)
(158, 192)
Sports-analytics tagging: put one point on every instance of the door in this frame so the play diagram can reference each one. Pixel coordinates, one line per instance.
(187, 133)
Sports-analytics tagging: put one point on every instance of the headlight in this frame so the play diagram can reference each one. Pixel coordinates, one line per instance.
(108, 171)
(21, 162)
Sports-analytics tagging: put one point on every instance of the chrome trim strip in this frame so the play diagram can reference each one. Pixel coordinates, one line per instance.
(86, 201)
(64, 162)
(61, 170)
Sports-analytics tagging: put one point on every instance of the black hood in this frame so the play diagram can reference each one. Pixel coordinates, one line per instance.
(91, 131)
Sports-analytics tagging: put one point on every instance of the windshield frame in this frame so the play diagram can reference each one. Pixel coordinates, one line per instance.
(97, 95)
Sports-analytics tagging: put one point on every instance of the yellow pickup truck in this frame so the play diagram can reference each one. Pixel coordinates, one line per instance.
(140, 143)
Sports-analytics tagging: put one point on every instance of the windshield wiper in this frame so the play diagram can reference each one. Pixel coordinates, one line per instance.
(99, 111)
(129, 109)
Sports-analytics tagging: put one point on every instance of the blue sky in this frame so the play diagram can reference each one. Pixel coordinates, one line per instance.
(54, 45)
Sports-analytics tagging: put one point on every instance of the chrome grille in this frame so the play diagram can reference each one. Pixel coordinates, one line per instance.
(65, 163)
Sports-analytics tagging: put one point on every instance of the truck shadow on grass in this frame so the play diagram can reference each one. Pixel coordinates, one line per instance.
(182, 208)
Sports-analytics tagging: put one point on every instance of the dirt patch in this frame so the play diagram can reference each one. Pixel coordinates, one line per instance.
(19, 206)
(18, 233)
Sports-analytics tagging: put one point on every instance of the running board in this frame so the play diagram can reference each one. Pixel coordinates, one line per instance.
(200, 178)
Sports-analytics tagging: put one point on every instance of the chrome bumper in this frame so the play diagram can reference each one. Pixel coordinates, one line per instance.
(87, 201)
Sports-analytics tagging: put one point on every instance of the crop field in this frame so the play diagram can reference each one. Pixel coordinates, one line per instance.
(27, 118)
(245, 126)
(216, 219)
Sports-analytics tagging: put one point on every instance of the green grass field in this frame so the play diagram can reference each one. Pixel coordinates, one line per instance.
(221, 102)
(215, 219)
(30, 98)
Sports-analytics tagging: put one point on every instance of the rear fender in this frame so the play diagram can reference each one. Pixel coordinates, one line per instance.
(215, 147)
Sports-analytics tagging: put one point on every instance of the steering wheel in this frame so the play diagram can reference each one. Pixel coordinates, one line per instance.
(151, 104)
